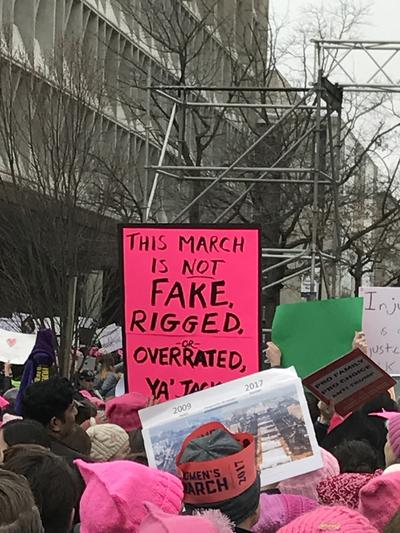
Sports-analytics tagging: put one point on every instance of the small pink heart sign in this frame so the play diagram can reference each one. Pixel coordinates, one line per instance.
(11, 342)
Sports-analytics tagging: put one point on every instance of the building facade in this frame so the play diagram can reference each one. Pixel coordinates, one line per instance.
(75, 113)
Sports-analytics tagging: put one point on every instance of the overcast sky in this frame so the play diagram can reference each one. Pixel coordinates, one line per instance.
(383, 23)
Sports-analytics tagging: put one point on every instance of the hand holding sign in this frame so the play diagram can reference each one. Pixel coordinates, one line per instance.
(360, 342)
(326, 410)
(8, 369)
(273, 355)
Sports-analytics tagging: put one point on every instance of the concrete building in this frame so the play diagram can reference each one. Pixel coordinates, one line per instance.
(99, 55)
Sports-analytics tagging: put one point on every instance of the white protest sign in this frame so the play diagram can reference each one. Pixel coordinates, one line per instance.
(15, 347)
(110, 337)
(271, 405)
(381, 325)
(120, 388)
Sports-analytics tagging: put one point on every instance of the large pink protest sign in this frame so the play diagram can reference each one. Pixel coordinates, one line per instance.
(191, 306)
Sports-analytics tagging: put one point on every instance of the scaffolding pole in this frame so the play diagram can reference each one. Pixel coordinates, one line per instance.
(241, 157)
(332, 52)
(160, 162)
(147, 145)
(317, 162)
(262, 177)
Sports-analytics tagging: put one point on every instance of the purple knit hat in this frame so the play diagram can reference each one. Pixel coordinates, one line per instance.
(277, 510)
(42, 354)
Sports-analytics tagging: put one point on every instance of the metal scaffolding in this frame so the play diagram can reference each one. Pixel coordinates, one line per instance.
(321, 101)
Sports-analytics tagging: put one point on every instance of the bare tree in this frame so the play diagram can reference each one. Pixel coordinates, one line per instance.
(56, 223)
(198, 45)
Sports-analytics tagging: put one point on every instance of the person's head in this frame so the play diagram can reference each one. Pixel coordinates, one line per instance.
(356, 456)
(28, 325)
(137, 448)
(209, 455)
(22, 432)
(382, 402)
(52, 404)
(380, 499)
(358, 426)
(85, 409)
(86, 379)
(306, 484)
(79, 441)
(115, 495)
(107, 363)
(109, 442)
(17, 372)
(19, 513)
(53, 483)
(334, 518)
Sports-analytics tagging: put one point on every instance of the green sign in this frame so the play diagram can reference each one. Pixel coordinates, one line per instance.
(313, 334)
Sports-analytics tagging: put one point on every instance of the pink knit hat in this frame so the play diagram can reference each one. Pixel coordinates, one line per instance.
(123, 411)
(277, 510)
(380, 499)
(329, 519)
(344, 489)
(113, 501)
(99, 404)
(159, 522)
(393, 427)
(306, 484)
(3, 402)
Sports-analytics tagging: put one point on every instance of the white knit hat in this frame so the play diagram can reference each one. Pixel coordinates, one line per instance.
(108, 440)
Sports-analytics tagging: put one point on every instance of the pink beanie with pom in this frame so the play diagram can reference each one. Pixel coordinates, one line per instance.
(380, 499)
(159, 522)
(329, 519)
(277, 510)
(306, 484)
(113, 500)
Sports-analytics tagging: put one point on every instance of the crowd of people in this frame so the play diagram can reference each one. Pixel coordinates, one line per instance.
(73, 460)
